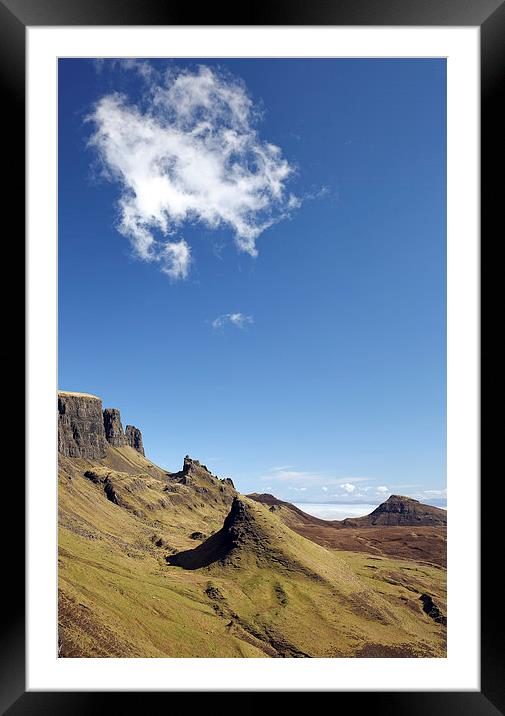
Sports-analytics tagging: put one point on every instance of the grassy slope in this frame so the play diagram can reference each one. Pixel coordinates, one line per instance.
(280, 595)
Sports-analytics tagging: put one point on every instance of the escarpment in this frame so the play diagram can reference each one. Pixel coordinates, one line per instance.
(85, 429)
(80, 426)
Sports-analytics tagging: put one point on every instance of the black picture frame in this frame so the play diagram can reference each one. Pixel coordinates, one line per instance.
(489, 15)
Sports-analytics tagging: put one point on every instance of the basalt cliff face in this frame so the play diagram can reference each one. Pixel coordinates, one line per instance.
(80, 426)
(134, 438)
(85, 429)
(113, 427)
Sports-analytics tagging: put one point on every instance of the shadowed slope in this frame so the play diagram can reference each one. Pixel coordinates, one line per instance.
(246, 535)
(237, 530)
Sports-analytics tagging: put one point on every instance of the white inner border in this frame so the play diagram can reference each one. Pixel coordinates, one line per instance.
(460, 671)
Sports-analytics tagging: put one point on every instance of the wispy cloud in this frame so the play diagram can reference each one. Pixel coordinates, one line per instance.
(188, 151)
(348, 487)
(239, 320)
(288, 476)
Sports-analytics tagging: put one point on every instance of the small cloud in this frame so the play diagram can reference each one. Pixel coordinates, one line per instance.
(239, 320)
(381, 489)
(175, 259)
(324, 488)
(348, 487)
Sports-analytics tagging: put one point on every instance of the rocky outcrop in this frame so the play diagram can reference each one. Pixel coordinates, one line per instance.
(432, 610)
(239, 527)
(134, 438)
(80, 426)
(194, 473)
(113, 429)
(85, 429)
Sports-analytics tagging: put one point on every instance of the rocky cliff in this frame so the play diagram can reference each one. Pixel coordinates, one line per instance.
(134, 438)
(113, 427)
(84, 429)
(80, 426)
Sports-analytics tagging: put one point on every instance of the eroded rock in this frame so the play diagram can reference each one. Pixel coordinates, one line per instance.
(113, 428)
(134, 438)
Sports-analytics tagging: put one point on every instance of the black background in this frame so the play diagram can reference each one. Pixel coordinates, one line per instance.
(15, 15)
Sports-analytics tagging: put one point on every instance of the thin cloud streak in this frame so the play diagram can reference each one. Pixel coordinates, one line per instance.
(238, 320)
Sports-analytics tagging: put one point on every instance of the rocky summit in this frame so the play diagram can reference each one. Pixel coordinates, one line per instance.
(159, 563)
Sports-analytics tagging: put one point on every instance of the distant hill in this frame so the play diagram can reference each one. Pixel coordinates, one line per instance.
(274, 504)
(400, 511)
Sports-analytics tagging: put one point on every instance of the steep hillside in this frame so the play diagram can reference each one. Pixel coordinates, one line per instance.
(154, 563)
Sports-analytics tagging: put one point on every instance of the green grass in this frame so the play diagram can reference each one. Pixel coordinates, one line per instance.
(279, 594)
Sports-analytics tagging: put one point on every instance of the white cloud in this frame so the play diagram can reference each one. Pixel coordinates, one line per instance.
(175, 259)
(324, 488)
(436, 496)
(188, 152)
(381, 489)
(348, 487)
(239, 320)
(288, 473)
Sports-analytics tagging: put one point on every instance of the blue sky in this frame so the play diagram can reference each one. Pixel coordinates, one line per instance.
(252, 262)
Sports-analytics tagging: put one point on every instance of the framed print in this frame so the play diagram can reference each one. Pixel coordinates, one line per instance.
(253, 284)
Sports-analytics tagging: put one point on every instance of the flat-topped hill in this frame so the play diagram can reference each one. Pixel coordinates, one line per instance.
(399, 510)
